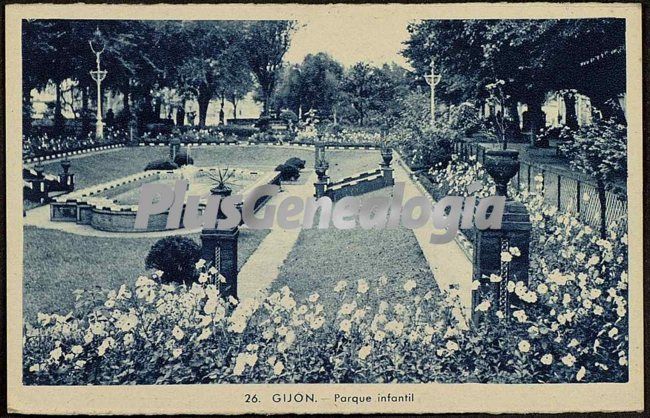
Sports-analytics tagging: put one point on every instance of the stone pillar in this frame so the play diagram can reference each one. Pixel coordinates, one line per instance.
(66, 178)
(387, 171)
(174, 148)
(219, 249)
(323, 178)
(490, 244)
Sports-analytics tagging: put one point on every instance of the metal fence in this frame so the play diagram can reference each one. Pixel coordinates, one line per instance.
(568, 191)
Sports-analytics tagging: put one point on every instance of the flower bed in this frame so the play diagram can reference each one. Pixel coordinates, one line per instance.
(37, 146)
(571, 324)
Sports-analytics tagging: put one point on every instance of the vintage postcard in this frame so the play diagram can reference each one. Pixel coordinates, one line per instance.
(379, 208)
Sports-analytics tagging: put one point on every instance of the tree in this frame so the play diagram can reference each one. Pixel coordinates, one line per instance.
(533, 56)
(314, 84)
(266, 42)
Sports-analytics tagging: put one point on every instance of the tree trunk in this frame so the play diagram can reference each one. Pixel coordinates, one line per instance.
(571, 116)
(58, 116)
(180, 114)
(204, 102)
(602, 199)
(222, 115)
(27, 110)
(536, 115)
(234, 109)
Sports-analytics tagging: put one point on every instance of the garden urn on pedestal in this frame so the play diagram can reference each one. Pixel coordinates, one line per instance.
(174, 148)
(219, 249)
(66, 178)
(387, 171)
(323, 179)
(501, 255)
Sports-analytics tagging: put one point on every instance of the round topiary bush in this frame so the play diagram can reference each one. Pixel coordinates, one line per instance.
(161, 165)
(288, 172)
(182, 158)
(176, 256)
(296, 162)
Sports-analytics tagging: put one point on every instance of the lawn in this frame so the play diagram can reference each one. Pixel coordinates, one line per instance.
(103, 167)
(56, 263)
(321, 258)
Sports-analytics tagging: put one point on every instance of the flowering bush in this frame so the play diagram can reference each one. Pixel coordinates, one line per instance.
(568, 324)
(42, 145)
(573, 312)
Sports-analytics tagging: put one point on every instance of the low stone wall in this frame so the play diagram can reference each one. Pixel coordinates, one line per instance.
(105, 215)
(366, 183)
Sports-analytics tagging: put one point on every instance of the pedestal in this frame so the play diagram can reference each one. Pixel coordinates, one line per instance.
(219, 249)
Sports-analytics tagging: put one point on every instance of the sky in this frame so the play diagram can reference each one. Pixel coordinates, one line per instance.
(350, 39)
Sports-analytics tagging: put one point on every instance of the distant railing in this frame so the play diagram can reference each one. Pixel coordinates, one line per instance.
(568, 191)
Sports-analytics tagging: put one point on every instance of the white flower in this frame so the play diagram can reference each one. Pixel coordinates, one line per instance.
(77, 349)
(199, 264)
(568, 360)
(476, 284)
(520, 315)
(379, 335)
(451, 345)
(203, 277)
(523, 346)
(128, 339)
(362, 286)
(205, 334)
(345, 325)
(314, 297)
(622, 361)
(494, 278)
(514, 251)
(176, 352)
(506, 257)
(613, 332)
(56, 354)
(547, 359)
(278, 368)
(581, 373)
(364, 352)
(340, 286)
(178, 333)
(410, 285)
(213, 270)
(317, 322)
(233, 300)
(383, 280)
(542, 289)
(483, 306)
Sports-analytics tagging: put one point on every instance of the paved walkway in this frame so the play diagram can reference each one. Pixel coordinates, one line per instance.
(450, 266)
(263, 266)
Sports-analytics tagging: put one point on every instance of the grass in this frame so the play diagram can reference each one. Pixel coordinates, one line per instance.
(56, 263)
(106, 166)
(321, 258)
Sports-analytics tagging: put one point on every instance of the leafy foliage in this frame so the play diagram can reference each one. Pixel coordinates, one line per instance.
(175, 256)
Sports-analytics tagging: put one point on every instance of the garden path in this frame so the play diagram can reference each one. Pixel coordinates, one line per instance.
(450, 266)
(264, 264)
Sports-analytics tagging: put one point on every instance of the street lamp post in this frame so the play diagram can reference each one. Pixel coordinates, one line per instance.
(432, 80)
(98, 75)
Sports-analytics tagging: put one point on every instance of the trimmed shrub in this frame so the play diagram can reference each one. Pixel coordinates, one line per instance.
(182, 158)
(288, 172)
(176, 257)
(161, 165)
(296, 162)
(263, 123)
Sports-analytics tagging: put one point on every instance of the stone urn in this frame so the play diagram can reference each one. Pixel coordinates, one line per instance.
(65, 164)
(321, 169)
(223, 191)
(387, 155)
(502, 165)
(39, 170)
